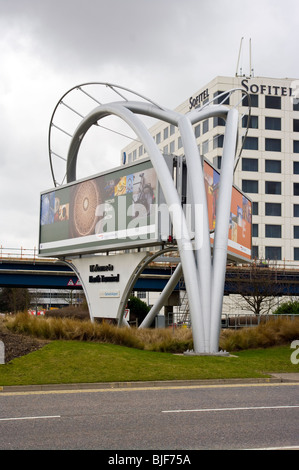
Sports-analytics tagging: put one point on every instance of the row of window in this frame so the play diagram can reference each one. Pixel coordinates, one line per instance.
(271, 166)
(271, 102)
(271, 187)
(273, 209)
(273, 231)
(272, 253)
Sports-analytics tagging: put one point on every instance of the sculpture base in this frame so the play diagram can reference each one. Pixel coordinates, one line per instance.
(219, 353)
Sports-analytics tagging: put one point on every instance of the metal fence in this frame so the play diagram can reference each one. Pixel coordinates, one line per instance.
(245, 321)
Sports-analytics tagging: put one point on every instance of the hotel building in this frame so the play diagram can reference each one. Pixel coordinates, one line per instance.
(268, 169)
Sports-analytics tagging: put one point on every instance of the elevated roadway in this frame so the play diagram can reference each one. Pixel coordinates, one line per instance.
(54, 274)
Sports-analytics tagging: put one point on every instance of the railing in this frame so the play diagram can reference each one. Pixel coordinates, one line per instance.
(19, 253)
(244, 321)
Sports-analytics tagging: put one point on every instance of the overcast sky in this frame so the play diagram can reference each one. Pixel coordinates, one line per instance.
(163, 49)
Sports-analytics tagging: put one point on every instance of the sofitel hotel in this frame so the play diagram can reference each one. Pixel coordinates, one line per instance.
(268, 170)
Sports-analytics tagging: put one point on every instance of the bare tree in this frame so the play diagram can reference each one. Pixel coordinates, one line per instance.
(257, 286)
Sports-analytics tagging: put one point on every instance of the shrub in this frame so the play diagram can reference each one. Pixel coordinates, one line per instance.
(290, 307)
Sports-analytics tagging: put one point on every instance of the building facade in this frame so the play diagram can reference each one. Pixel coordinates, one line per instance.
(268, 169)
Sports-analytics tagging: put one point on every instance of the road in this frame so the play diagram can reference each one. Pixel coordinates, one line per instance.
(231, 416)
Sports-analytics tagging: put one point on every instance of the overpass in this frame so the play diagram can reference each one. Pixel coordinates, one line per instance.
(50, 273)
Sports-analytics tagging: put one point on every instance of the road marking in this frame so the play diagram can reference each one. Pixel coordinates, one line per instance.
(30, 417)
(204, 410)
(129, 388)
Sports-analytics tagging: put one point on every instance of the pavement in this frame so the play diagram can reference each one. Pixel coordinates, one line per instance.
(275, 378)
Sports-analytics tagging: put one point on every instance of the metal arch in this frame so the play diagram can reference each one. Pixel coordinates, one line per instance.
(204, 279)
(112, 86)
(145, 262)
(172, 199)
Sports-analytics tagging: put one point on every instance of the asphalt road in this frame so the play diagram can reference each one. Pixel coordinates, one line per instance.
(232, 416)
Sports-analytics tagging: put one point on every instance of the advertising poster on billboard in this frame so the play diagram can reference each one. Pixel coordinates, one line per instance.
(115, 209)
(239, 238)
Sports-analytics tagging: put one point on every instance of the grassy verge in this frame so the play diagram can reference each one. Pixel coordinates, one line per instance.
(80, 351)
(77, 362)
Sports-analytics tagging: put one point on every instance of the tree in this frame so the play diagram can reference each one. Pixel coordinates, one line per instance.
(258, 287)
(138, 309)
(14, 299)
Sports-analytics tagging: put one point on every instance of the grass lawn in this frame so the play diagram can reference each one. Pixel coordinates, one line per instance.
(77, 361)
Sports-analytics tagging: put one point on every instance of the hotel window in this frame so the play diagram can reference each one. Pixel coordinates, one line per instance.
(296, 168)
(273, 166)
(180, 142)
(296, 146)
(165, 149)
(253, 122)
(296, 210)
(205, 126)
(273, 208)
(197, 130)
(273, 145)
(205, 147)
(296, 104)
(218, 121)
(250, 186)
(273, 252)
(296, 254)
(273, 102)
(273, 123)
(218, 141)
(255, 230)
(130, 158)
(296, 231)
(250, 164)
(272, 187)
(295, 125)
(224, 99)
(296, 189)
(171, 146)
(140, 150)
(165, 133)
(134, 154)
(250, 143)
(253, 101)
(273, 231)
(171, 129)
(254, 252)
(255, 208)
(158, 138)
(217, 162)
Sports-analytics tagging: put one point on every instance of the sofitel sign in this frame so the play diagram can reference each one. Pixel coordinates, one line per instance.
(266, 89)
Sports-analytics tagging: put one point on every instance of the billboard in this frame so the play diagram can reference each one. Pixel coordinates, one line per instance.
(239, 239)
(113, 210)
(125, 208)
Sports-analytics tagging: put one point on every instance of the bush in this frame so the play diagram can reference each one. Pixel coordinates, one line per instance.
(276, 331)
(290, 307)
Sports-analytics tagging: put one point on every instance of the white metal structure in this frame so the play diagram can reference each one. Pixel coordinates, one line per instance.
(204, 272)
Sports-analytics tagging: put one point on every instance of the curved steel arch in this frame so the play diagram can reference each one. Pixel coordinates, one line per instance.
(204, 277)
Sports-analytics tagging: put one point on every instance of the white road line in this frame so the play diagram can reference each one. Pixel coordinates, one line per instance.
(204, 410)
(30, 417)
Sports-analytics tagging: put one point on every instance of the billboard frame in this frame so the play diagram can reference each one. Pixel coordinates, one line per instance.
(70, 247)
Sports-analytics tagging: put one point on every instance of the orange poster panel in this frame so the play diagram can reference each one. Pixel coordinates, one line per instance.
(239, 242)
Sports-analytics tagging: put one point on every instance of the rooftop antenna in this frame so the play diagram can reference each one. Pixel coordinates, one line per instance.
(237, 75)
(251, 69)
